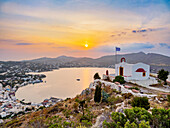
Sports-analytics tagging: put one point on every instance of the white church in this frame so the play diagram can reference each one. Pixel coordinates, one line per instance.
(138, 71)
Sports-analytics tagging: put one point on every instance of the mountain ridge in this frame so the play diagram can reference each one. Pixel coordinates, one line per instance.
(149, 58)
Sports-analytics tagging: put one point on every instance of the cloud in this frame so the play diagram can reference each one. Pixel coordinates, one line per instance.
(146, 30)
(125, 47)
(14, 42)
(61, 47)
(24, 43)
(119, 34)
(137, 46)
(135, 31)
(164, 45)
(9, 41)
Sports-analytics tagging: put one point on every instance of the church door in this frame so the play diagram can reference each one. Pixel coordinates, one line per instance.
(121, 71)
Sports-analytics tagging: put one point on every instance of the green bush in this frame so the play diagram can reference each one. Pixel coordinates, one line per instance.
(77, 100)
(114, 100)
(133, 118)
(96, 76)
(163, 75)
(111, 100)
(86, 123)
(144, 124)
(119, 118)
(119, 79)
(104, 96)
(130, 125)
(55, 122)
(168, 98)
(140, 102)
(66, 113)
(136, 88)
(161, 118)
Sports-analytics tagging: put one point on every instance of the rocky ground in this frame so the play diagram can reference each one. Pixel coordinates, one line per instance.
(70, 113)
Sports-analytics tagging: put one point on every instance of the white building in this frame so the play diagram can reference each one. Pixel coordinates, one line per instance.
(139, 71)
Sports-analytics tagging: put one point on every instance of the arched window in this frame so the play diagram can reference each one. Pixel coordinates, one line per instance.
(123, 59)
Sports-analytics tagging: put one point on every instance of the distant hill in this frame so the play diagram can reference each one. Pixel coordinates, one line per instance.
(157, 61)
(60, 59)
(150, 58)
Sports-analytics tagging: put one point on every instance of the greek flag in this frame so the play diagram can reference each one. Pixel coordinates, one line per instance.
(117, 49)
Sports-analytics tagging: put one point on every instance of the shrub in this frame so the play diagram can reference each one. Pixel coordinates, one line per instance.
(86, 123)
(28, 109)
(96, 76)
(114, 100)
(163, 75)
(161, 118)
(136, 88)
(53, 110)
(55, 122)
(127, 95)
(75, 106)
(104, 96)
(41, 107)
(111, 100)
(66, 113)
(119, 79)
(97, 96)
(76, 100)
(130, 125)
(137, 114)
(119, 117)
(67, 99)
(88, 99)
(82, 103)
(141, 102)
(133, 118)
(144, 124)
(168, 98)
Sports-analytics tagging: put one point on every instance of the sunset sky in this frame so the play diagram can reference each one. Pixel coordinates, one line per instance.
(50, 28)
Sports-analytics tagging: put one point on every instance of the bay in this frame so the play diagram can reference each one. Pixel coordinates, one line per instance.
(60, 83)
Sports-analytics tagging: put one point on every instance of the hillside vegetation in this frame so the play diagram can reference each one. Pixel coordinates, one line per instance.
(82, 111)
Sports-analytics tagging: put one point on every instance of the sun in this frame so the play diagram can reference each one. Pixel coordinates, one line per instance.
(86, 45)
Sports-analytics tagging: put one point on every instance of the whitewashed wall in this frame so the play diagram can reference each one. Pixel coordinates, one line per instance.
(127, 69)
(139, 75)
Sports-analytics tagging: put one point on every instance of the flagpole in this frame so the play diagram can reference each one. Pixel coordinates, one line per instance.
(115, 56)
(115, 59)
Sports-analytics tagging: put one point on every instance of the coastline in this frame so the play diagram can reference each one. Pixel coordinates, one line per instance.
(147, 88)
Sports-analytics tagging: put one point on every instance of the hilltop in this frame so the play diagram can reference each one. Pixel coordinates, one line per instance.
(81, 112)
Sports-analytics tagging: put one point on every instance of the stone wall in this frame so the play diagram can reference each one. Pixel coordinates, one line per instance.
(118, 88)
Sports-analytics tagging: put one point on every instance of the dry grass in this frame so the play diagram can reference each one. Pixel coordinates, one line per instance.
(66, 110)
